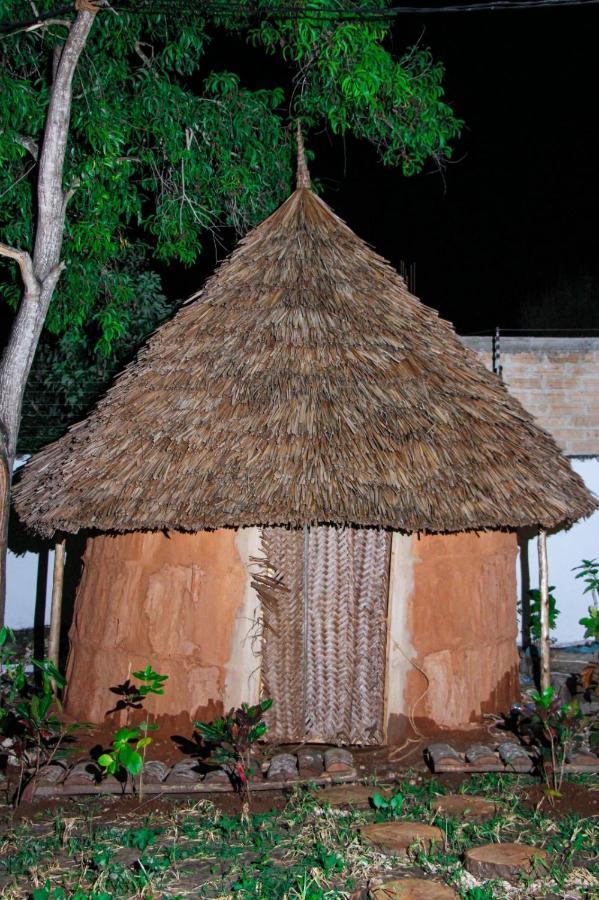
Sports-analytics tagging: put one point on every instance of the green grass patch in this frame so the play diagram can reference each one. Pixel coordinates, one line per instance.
(307, 850)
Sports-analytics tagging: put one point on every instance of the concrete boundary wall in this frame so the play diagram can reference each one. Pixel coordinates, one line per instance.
(556, 380)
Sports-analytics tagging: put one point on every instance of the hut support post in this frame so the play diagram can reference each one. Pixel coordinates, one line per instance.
(56, 612)
(544, 610)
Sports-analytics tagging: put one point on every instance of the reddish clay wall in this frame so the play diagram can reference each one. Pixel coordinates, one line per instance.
(170, 601)
(462, 627)
(177, 602)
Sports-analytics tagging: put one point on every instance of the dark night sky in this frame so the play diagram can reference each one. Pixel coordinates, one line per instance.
(516, 209)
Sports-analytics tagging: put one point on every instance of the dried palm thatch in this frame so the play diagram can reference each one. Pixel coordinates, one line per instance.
(303, 384)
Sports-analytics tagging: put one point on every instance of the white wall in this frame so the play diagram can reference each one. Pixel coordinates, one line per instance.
(21, 578)
(21, 581)
(565, 550)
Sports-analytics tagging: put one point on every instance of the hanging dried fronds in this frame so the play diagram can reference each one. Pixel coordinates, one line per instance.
(325, 632)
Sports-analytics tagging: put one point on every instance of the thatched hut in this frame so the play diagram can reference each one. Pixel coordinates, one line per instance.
(305, 412)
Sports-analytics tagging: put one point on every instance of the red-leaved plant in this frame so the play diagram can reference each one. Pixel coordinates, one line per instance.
(233, 737)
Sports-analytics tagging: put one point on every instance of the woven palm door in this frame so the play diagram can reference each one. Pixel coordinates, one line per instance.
(325, 633)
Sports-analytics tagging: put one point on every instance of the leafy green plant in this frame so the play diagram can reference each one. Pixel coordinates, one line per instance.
(392, 807)
(151, 682)
(129, 744)
(48, 892)
(561, 729)
(589, 571)
(133, 695)
(12, 670)
(124, 756)
(328, 860)
(535, 611)
(482, 892)
(591, 623)
(141, 838)
(28, 714)
(233, 737)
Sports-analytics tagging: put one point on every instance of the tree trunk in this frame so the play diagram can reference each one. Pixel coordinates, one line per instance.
(41, 272)
(4, 509)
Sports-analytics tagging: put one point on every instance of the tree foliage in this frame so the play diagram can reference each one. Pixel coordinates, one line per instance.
(163, 152)
(345, 74)
(72, 369)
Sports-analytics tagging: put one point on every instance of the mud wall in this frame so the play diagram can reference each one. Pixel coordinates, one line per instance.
(452, 654)
(184, 604)
(181, 602)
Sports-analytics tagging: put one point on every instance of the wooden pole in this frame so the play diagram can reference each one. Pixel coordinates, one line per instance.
(56, 613)
(544, 610)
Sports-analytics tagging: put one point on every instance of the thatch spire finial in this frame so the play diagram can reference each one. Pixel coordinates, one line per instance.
(303, 176)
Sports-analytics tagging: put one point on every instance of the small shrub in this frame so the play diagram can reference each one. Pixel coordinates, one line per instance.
(560, 730)
(591, 623)
(233, 737)
(127, 755)
(392, 807)
(535, 611)
(28, 714)
(124, 757)
(589, 571)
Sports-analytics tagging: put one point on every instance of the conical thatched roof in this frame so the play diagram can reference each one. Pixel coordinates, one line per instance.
(303, 384)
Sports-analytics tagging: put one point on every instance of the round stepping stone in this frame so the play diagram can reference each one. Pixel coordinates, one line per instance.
(412, 889)
(398, 837)
(461, 806)
(347, 795)
(506, 861)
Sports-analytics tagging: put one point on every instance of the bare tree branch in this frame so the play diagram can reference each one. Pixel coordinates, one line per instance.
(25, 262)
(50, 223)
(53, 276)
(38, 25)
(20, 178)
(147, 60)
(69, 193)
(47, 23)
(25, 141)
